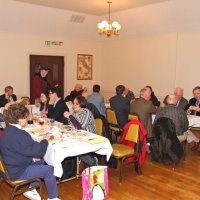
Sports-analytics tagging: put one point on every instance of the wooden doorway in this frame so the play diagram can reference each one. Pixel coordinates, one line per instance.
(56, 72)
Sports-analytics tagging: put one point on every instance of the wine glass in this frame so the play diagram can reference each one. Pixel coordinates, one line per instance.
(41, 121)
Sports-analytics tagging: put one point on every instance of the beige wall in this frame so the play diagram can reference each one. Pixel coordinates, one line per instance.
(162, 61)
(16, 48)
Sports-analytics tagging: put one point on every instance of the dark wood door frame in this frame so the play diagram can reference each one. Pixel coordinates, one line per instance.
(56, 72)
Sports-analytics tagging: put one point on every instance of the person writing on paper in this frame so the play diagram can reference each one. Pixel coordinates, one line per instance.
(82, 118)
(22, 155)
(8, 96)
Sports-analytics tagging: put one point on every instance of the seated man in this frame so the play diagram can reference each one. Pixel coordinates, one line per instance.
(8, 96)
(98, 100)
(182, 102)
(130, 95)
(153, 98)
(194, 102)
(78, 90)
(144, 108)
(177, 115)
(57, 106)
(121, 105)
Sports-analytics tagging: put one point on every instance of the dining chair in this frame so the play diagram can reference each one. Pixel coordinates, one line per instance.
(133, 116)
(19, 186)
(113, 122)
(99, 126)
(121, 151)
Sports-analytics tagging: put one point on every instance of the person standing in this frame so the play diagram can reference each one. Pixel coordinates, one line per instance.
(41, 84)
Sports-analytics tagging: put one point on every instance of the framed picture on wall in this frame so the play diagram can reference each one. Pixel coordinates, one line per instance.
(84, 67)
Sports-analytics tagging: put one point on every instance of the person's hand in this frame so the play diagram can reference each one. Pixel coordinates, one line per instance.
(9, 104)
(84, 89)
(46, 137)
(195, 108)
(192, 107)
(66, 114)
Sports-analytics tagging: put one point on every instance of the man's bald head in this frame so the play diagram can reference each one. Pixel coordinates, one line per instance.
(172, 99)
(179, 93)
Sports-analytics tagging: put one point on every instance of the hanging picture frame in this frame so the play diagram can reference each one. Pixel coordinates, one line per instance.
(84, 67)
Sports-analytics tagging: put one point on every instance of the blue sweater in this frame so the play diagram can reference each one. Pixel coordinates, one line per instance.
(18, 148)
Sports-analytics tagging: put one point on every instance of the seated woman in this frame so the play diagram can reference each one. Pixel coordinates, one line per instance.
(22, 155)
(44, 105)
(82, 118)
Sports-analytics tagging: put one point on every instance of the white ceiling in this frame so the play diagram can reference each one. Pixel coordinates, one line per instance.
(93, 7)
(156, 18)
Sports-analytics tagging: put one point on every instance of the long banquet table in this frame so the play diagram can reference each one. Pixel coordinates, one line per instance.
(68, 145)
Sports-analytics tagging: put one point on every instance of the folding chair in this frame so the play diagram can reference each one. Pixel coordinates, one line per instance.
(112, 122)
(121, 151)
(19, 186)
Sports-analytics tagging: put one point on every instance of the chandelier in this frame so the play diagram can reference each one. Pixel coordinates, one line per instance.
(108, 28)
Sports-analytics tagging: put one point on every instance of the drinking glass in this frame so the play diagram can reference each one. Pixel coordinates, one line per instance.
(41, 121)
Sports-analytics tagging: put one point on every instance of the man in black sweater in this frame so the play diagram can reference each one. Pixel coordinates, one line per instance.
(57, 106)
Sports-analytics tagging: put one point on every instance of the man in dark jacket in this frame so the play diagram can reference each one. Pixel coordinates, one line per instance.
(194, 102)
(121, 105)
(8, 96)
(57, 106)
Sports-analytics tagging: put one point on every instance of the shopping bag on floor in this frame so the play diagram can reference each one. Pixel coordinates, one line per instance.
(95, 183)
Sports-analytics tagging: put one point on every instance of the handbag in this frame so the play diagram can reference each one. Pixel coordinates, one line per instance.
(95, 183)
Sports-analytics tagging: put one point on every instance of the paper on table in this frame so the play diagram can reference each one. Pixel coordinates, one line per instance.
(95, 140)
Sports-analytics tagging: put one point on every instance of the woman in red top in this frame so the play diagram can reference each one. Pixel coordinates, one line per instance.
(41, 83)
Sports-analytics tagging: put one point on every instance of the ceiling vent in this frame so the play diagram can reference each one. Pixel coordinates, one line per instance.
(77, 19)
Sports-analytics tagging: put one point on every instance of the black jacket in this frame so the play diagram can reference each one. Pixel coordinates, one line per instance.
(4, 100)
(165, 143)
(57, 112)
(192, 102)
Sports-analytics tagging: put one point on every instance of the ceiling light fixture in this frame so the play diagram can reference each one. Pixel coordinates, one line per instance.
(108, 28)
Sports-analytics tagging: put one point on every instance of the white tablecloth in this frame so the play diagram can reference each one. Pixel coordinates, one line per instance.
(194, 121)
(57, 150)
